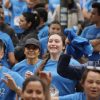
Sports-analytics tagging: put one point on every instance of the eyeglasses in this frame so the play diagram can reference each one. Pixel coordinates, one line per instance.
(33, 47)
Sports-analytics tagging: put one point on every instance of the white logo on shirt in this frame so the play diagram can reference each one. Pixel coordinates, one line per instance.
(2, 91)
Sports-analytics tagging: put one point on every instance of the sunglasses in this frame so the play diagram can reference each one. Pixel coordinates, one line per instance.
(34, 47)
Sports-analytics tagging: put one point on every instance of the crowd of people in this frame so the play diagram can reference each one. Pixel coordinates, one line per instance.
(43, 61)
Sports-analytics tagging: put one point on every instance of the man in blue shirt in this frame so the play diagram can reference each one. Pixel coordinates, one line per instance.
(92, 33)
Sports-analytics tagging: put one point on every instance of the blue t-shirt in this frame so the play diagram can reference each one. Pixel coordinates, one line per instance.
(5, 92)
(43, 43)
(7, 13)
(22, 67)
(92, 32)
(9, 46)
(43, 32)
(64, 85)
(75, 96)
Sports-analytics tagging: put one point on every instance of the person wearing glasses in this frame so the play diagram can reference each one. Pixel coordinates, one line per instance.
(31, 61)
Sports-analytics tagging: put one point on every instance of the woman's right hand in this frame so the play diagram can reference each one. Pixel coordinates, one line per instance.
(28, 74)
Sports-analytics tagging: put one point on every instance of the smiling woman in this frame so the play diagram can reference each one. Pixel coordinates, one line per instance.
(56, 46)
(32, 61)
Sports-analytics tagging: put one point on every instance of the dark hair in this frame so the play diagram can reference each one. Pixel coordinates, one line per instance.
(84, 76)
(97, 6)
(1, 6)
(19, 53)
(42, 13)
(55, 22)
(39, 5)
(33, 79)
(71, 5)
(2, 44)
(33, 18)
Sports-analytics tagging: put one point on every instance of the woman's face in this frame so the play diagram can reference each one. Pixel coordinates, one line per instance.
(55, 44)
(55, 28)
(31, 51)
(23, 23)
(92, 85)
(33, 91)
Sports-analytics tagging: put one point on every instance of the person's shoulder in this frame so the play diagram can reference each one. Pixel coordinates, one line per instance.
(21, 62)
(90, 26)
(19, 65)
(4, 34)
(5, 69)
(52, 62)
(75, 96)
(16, 75)
(9, 29)
(46, 27)
(10, 72)
(39, 61)
(43, 40)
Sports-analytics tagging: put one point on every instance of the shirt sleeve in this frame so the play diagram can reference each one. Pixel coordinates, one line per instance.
(69, 71)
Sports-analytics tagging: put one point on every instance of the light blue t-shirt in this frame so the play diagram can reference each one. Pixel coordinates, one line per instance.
(9, 46)
(64, 85)
(5, 92)
(22, 67)
(43, 32)
(90, 33)
(75, 96)
(43, 43)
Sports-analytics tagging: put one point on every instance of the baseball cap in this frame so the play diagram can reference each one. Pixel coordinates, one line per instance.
(32, 41)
